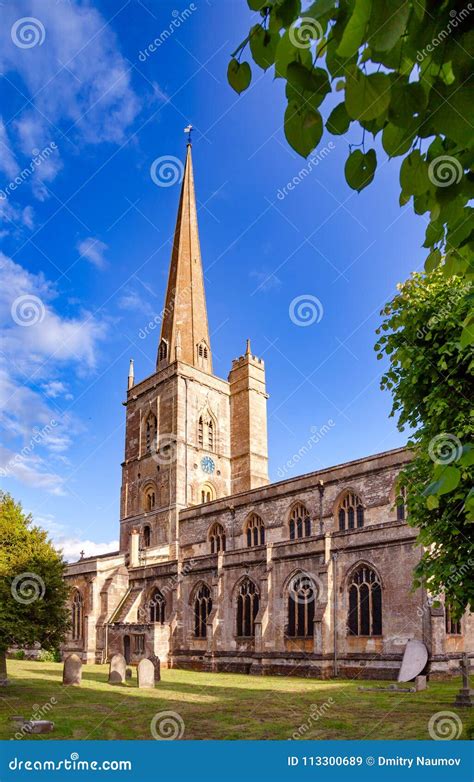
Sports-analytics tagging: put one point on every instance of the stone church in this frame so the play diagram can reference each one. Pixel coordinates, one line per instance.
(220, 570)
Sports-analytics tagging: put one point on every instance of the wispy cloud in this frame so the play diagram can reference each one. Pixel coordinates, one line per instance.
(93, 250)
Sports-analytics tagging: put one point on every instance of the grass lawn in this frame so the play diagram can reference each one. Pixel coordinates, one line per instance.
(221, 706)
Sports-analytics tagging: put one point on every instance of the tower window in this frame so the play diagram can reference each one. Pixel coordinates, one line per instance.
(150, 433)
(206, 432)
(202, 354)
(247, 608)
(300, 522)
(146, 536)
(351, 511)
(401, 503)
(162, 350)
(149, 500)
(365, 603)
(202, 609)
(301, 604)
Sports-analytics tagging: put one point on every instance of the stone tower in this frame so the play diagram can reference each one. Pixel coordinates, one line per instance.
(191, 437)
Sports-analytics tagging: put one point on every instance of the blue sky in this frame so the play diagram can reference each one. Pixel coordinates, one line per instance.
(87, 234)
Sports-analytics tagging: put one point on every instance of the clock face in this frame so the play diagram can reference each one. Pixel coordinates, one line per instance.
(207, 464)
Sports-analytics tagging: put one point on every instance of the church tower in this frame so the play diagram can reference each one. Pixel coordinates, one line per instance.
(190, 436)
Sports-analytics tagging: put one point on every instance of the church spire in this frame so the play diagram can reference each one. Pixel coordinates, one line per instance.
(184, 330)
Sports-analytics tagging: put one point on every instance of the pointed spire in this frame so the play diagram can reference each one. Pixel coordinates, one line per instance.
(185, 310)
(131, 375)
(248, 352)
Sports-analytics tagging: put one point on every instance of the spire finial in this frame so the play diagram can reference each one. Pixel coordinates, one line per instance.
(247, 349)
(131, 375)
(189, 129)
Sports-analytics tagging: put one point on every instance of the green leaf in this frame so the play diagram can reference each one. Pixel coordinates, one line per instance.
(396, 141)
(263, 46)
(257, 5)
(338, 121)
(407, 102)
(360, 169)
(467, 456)
(354, 30)
(288, 11)
(388, 22)
(287, 52)
(414, 174)
(467, 335)
(446, 483)
(239, 75)
(303, 128)
(432, 502)
(310, 79)
(433, 260)
(366, 96)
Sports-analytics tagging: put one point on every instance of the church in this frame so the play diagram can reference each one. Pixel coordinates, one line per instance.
(220, 570)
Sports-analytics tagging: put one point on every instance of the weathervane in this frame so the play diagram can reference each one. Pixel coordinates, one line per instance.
(188, 129)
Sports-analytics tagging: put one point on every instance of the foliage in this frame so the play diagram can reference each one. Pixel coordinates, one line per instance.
(33, 592)
(49, 656)
(430, 377)
(404, 72)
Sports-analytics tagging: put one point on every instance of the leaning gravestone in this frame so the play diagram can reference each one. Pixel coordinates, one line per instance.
(146, 674)
(117, 669)
(72, 670)
(414, 660)
(156, 664)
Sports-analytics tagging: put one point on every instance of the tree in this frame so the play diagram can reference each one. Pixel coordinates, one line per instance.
(430, 377)
(33, 592)
(403, 69)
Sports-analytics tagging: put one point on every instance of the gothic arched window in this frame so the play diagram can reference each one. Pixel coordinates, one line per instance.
(162, 350)
(149, 498)
(202, 609)
(351, 511)
(207, 493)
(210, 434)
(146, 536)
(247, 608)
(217, 538)
(302, 594)
(300, 522)
(401, 503)
(150, 433)
(77, 617)
(255, 531)
(206, 432)
(365, 603)
(453, 626)
(157, 607)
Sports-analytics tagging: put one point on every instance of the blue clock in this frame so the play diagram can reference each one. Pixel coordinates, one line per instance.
(207, 464)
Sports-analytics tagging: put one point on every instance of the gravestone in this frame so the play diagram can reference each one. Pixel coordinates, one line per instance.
(465, 694)
(420, 683)
(146, 674)
(156, 664)
(128, 673)
(117, 669)
(414, 660)
(72, 670)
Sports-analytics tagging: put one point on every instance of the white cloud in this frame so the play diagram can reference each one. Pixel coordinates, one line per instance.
(8, 163)
(267, 281)
(56, 388)
(93, 250)
(72, 548)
